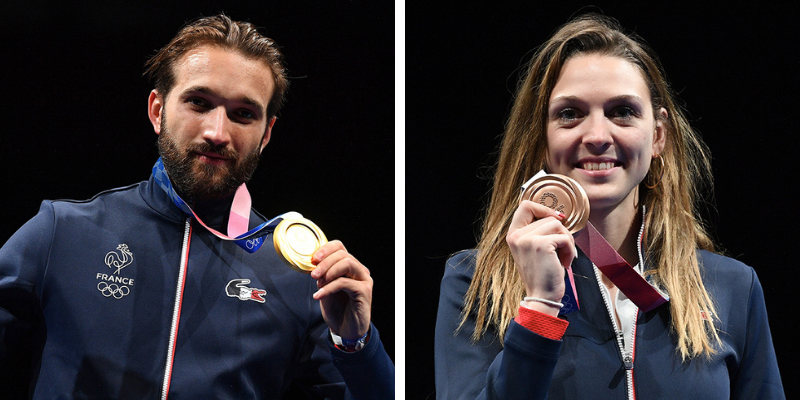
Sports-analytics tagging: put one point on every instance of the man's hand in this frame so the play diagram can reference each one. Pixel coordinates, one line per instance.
(345, 290)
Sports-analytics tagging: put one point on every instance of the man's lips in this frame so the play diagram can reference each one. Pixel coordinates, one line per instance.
(212, 157)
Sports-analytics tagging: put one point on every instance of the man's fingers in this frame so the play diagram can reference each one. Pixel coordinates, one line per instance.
(338, 265)
(327, 249)
(355, 289)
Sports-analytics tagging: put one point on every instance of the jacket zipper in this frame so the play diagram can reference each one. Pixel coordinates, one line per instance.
(626, 356)
(176, 311)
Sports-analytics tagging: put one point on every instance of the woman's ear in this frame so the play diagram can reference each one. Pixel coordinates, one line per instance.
(660, 135)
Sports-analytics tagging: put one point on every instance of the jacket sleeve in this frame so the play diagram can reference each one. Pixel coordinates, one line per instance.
(758, 376)
(23, 259)
(521, 369)
(325, 372)
(368, 373)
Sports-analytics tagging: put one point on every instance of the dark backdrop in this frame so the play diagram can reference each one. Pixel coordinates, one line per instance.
(74, 113)
(735, 68)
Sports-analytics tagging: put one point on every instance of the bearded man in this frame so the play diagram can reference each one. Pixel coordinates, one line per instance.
(162, 288)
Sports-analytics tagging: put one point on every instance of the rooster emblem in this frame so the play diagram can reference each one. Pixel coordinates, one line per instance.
(119, 260)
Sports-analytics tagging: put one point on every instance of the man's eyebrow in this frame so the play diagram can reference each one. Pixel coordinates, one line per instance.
(247, 100)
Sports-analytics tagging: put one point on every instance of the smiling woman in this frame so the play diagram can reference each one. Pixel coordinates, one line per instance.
(595, 106)
(602, 131)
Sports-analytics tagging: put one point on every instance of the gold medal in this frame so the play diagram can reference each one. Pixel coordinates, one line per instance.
(296, 240)
(562, 194)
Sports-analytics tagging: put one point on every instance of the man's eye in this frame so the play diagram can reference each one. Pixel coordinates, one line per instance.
(196, 101)
(246, 114)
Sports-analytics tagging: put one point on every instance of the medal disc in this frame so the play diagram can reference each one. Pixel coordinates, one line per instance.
(296, 240)
(562, 194)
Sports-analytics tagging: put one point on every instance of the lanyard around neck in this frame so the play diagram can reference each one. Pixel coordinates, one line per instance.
(562, 192)
(238, 220)
(613, 266)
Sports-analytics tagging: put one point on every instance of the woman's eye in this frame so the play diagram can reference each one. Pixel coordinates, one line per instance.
(625, 113)
(568, 115)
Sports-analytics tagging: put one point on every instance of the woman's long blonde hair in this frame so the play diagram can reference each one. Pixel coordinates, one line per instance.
(673, 231)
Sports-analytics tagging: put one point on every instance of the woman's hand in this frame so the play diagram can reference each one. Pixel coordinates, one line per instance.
(542, 249)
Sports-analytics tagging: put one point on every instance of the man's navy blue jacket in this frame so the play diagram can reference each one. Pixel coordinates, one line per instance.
(94, 286)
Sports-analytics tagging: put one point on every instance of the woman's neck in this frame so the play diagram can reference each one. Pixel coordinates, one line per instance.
(620, 227)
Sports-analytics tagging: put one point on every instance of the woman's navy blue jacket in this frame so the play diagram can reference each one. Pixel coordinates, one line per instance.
(586, 363)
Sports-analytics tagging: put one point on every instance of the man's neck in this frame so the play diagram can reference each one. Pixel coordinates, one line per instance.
(213, 212)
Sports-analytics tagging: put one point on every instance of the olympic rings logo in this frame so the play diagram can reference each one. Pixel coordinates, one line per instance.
(253, 243)
(112, 290)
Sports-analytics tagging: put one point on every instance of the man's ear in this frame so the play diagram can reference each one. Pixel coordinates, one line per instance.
(267, 133)
(155, 110)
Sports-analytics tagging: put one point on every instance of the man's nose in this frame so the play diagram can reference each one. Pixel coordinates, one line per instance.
(217, 129)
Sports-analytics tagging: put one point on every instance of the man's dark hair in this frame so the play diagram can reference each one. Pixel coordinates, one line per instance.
(220, 31)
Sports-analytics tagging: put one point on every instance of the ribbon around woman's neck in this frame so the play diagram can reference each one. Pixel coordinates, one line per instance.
(615, 268)
(239, 218)
(564, 194)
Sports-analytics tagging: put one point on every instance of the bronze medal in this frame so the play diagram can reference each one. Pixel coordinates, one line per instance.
(296, 240)
(562, 194)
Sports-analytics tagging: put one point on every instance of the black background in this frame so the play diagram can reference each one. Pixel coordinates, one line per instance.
(74, 113)
(736, 69)
(74, 123)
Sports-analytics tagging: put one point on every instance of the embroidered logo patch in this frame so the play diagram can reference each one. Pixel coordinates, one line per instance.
(114, 284)
(119, 260)
(113, 290)
(236, 288)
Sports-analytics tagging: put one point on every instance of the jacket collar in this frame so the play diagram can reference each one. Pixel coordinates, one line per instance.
(159, 201)
(214, 213)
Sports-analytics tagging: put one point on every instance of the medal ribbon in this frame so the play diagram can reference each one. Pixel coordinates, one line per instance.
(612, 265)
(238, 220)
(570, 299)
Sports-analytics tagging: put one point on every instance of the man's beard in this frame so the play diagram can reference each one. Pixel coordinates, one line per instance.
(194, 179)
